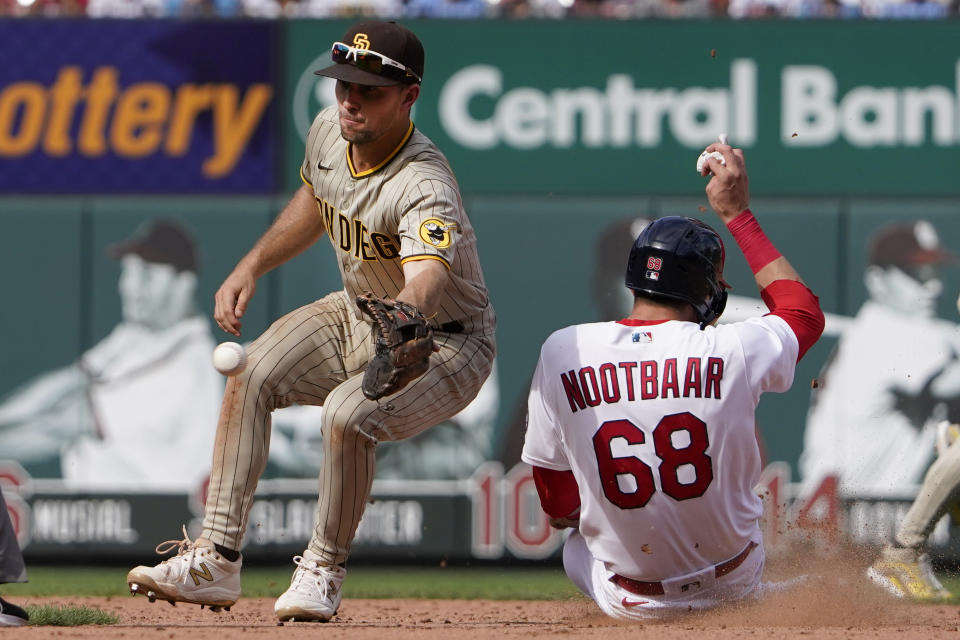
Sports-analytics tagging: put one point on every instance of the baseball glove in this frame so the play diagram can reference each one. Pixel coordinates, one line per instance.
(403, 342)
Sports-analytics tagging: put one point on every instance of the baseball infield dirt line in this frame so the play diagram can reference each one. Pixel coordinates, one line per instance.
(342, 624)
(816, 613)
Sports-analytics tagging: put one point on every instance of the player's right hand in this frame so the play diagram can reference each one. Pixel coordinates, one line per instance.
(231, 299)
(728, 189)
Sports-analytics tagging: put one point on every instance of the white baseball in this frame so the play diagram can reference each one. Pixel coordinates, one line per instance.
(702, 160)
(229, 358)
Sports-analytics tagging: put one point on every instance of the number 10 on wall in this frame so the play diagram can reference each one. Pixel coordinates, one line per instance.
(507, 515)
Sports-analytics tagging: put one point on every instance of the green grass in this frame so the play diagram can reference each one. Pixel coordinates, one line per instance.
(363, 582)
(68, 616)
(952, 583)
(495, 583)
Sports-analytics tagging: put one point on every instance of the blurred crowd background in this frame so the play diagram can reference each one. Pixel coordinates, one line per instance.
(481, 9)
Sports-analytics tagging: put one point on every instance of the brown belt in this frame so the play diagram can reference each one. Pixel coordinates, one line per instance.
(656, 588)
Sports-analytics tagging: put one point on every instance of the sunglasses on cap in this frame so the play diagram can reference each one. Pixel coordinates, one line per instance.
(372, 62)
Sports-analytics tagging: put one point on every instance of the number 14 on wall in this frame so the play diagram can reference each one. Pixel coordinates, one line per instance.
(507, 518)
(826, 517)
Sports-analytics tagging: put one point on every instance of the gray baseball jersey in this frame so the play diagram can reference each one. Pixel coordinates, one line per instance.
(407, 208)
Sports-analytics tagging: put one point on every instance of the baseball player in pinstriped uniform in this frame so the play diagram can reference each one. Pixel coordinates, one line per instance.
(903, 567)
(641, 432)
(388, 200)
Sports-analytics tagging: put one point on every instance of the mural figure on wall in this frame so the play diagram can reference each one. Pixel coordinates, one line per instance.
(148, 392)
(893, 376)
(145, 393)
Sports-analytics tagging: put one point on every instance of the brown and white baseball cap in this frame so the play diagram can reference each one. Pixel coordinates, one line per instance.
(367, 44)
(162, 241)
(908, 245)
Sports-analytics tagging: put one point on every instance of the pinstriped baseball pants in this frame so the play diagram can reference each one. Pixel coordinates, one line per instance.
(313, 356)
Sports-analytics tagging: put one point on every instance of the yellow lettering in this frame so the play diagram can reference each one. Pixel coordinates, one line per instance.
(361, 41)
(100, 95)
(196, 574)
(233, 127)
(141, 111)
(91, 119)
(328, 215)
(385, 248)
(344, 232)
(362, 249)
(326, 212)
(64, 95)
(191, 100)
(31, 99)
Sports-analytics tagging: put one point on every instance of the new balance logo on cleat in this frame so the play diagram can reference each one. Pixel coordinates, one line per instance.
(198, 574)
(205, 574)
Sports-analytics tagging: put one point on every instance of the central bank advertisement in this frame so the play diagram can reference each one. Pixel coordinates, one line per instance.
(619, 107)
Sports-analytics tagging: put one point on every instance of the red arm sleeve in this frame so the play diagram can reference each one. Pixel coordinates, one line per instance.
(789, 299)
(756, 246)
(796, 304)
(559, 493)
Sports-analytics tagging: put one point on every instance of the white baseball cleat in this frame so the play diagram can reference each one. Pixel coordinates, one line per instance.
(314, 594)
(198, 574)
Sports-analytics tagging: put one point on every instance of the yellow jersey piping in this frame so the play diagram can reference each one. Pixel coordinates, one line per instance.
(364, 174)
(304, 178)
(425, 256)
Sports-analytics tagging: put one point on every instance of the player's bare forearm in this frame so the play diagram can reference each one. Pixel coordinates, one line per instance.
(425, 281)
(297, 226)
(779, 269)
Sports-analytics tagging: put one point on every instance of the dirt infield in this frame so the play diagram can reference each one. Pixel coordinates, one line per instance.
(833, 601)
(805, 611)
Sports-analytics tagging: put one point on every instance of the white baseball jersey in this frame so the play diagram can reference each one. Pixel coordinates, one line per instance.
(656, 422)
(862, 425)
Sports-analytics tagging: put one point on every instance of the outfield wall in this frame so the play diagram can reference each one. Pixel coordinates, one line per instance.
(551, 255)
(562, 136)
